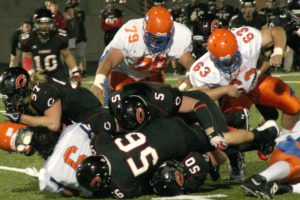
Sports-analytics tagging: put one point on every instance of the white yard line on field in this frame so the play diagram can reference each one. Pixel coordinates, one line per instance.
(30, 171)
(192, 197)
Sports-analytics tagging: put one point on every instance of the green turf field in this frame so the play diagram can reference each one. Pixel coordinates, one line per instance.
(17, 186)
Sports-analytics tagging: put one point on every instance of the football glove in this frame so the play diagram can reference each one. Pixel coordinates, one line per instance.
(218, 141)
(76, 77)
(13, 116)
(23, 142)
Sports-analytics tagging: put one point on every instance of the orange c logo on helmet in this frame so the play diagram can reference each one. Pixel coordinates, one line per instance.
(96, 182)
(140, 115)
(179, 178)
(21, 81)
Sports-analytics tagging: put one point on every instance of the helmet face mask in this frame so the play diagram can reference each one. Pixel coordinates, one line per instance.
(229, 66)
(157, 43)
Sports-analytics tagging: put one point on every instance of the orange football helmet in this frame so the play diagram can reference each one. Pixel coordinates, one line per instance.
(8, 133)
(223, 48)
(158, 27)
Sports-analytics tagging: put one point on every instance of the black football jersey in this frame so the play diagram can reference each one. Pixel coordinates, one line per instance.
(46, 55)
(162, 100)
(135, 156)
(77, 104)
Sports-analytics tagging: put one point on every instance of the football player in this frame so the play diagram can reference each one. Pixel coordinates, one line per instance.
(58, 174)
(229, 68)
(142, 47)
(48, 102)
(45, 45)
(140, 152)
(139, 103)
(62, 152)
(248, 16)
(284, 168)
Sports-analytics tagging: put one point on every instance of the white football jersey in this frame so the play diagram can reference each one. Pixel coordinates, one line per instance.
(138, 62)
(60, 168)
(204, 72)
(294, 133)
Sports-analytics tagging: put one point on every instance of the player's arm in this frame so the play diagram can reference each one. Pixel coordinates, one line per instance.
(69, 58)
(275, 36)
(51, 118)
(186, 60)
(218, 92)
(110, 61)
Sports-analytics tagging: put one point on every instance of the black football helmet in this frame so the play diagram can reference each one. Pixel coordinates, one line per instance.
(44, 22)
(169, 179)
(13, 81)
(204, 27)
(132, 112)
(94, 173)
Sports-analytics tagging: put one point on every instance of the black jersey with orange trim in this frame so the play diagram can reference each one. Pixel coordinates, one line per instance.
(134, 156)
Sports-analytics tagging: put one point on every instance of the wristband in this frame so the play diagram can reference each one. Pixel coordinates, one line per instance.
(99, 80)
(277, 51)
(258, 72)
(187, 74)
(74, 70)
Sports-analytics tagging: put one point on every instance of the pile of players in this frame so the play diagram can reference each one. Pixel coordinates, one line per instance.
(152, 137)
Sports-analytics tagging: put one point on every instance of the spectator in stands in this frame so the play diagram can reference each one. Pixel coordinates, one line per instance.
(81, 39)
(111, 21)
(59, 18)
(15, 53)
(71, 27)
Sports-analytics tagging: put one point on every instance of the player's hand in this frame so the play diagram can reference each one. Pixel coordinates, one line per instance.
(76, 78)
(232, 91)
(98, 92)
(23, 141)
(218, 141)
(13, 116)
(276, 60)
(183, 83)
(9, 106)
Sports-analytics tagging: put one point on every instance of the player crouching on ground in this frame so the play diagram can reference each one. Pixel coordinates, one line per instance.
(62, 152)
(284, 168)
